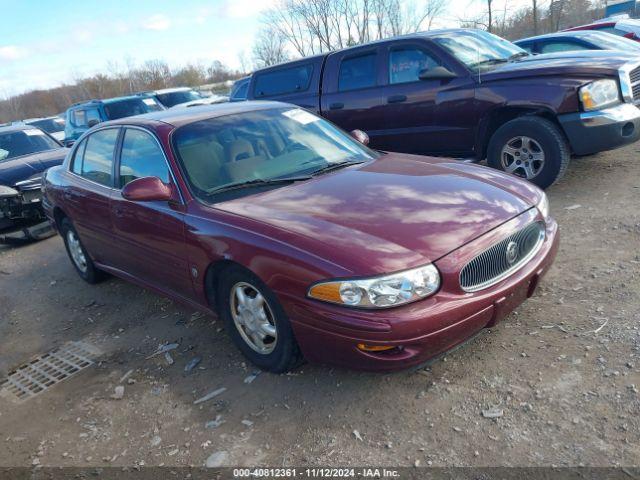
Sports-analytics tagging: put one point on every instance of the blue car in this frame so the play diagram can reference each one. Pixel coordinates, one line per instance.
(82, 116)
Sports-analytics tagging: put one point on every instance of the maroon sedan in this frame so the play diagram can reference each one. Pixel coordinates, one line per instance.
(306, 242)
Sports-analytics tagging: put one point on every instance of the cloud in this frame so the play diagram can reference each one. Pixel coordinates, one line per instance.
(12, 52)
(157, 22)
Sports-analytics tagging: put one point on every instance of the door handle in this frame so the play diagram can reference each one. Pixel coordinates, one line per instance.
(336, 106)
(396, 98)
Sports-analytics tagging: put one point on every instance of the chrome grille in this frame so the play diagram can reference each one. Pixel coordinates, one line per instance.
(502, 259)
(634, 75)
(636, 92)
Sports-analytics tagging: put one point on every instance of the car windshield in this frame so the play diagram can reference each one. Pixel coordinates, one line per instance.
(170, 99)
(479, 50)
(130, 107)
(256, 148)
(612, 42)
(49, 125)
(24, 142)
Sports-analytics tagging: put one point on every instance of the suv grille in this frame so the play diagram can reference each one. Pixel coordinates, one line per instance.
(502, 259)
(634, 78)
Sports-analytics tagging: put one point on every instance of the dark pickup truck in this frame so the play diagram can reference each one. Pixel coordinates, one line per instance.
(470, 94)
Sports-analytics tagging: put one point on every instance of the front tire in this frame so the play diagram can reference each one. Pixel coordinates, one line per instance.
(256, 321)
(78, 255)
(532, 148)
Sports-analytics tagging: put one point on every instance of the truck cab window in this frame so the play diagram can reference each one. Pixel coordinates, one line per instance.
(357, 72)
(287, 80)
(405, 64)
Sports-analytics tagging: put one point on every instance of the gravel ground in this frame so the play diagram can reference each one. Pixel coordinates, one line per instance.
(556, 383)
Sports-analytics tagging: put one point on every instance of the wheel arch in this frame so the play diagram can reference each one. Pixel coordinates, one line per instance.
(212, 278)
(501, 115)
(58, 216)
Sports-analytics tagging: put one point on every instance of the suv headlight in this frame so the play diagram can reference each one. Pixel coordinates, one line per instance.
(543, 206)
(380, 292)
(8, 192)
(599, 94)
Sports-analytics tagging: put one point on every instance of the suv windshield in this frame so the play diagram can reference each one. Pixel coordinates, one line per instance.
(130, 107)
(170, 99)
(49, 125)
(25, 142)
(266, 147)
(479, 50)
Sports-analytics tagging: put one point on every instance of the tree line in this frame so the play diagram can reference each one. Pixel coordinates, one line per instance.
(117, 80)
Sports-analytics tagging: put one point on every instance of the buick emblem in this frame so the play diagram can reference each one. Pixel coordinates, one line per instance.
(512, 252)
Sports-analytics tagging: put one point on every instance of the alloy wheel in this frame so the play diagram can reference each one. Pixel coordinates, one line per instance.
(75, 249)
(522, 156)
(253, 318)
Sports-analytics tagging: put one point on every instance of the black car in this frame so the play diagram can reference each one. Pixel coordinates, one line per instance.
(25, 153)
(572, 41)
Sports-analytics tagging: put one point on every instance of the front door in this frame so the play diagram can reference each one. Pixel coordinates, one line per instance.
(149, 235)
(424, 116)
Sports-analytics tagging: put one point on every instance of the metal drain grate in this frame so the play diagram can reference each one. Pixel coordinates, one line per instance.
(43, 372)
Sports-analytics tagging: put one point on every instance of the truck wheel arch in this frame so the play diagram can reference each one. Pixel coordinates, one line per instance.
(501, 115)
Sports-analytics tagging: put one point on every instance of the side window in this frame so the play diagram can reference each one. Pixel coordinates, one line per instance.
(76, 165)
(405, 64)
(241, 92)
(287, 80)
(97, 161)
(141, 157)
(551, 47)
(80, 118)
(357, 72)
(93, 114)
(527, 47)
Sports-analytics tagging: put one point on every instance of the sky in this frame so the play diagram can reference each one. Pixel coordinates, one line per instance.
(44, 43)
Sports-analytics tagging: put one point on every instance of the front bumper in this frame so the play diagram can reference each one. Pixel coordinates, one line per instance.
(21, 210)
(600, 130)
(330, 334)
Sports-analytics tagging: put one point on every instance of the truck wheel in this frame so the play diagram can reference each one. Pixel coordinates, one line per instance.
(78, 255)
(530, 147)
(256, 321)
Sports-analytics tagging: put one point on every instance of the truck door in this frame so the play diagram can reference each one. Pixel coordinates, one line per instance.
(351, 96)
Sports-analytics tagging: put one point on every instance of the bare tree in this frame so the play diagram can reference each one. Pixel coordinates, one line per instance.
(269, 48)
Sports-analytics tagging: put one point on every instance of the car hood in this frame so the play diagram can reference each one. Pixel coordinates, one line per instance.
(396, 212)
(588, 62)
(22, 168)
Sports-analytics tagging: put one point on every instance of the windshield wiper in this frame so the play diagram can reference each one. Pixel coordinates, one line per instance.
(515, 56)
(490, 61)
(258, 182)
(335, 166)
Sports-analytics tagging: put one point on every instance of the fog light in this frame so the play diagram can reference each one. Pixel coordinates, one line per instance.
(375, 348)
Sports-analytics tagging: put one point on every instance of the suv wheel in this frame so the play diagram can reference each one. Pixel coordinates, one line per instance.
(78, 255)
(532, 148)
(256, 321)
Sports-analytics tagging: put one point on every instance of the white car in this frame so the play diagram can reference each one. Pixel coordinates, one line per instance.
(621, 26)
(54, 126)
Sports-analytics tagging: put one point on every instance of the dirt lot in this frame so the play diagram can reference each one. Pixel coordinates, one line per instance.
(564, 370)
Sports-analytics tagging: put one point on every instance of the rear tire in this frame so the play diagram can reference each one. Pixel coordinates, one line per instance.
(79, 257)
(256, 321)
(532, 148)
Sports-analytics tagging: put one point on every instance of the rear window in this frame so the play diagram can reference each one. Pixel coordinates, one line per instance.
(357, 72)
(130, 107)
(288, 80)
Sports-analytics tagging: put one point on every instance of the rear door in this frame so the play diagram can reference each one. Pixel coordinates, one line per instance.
(148, 236)
(89, 190)
(351, 95)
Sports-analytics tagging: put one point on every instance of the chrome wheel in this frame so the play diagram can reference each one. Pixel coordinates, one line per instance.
(253, 318)
(75, 249)
(522, 156)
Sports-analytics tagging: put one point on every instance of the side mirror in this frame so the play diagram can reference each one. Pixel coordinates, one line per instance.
(360, 136)
(93, 122)
(147, 189)
(436, 73)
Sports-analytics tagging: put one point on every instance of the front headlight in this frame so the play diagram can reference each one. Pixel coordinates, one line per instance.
(543, 206)
(8, 192)
(599, 94)
(380, 292)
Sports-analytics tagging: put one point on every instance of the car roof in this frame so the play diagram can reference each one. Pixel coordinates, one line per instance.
(179, 117)
(110, 100)
(572, 34)
(17, 128)
(170, 90)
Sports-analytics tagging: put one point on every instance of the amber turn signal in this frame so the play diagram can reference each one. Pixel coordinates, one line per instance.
(329, 292)
(374, 348)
